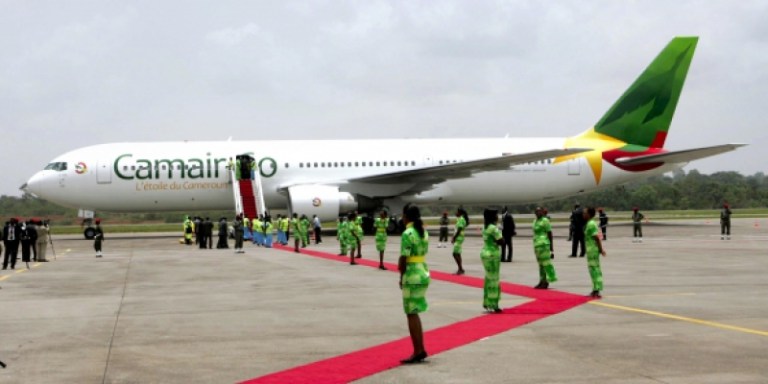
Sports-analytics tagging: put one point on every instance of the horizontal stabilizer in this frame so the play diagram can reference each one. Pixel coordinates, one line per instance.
(683, 156)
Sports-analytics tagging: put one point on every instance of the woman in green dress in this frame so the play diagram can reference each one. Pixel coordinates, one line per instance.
(491, 257)
(414, 278)
(594, 250)
(381, 224)
(542, 247)
(352, 237)
(462, 221)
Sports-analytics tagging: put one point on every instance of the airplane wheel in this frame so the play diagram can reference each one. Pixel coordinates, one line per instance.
(89, 233)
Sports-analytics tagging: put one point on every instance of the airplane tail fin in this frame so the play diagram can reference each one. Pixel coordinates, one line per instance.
(642, 115)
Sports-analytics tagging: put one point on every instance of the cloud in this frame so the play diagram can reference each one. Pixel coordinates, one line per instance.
(85, 73)
(235, 36)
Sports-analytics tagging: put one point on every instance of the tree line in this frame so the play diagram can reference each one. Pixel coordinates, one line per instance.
(672, 191)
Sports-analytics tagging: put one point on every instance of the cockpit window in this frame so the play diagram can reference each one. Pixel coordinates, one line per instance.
(59, 166)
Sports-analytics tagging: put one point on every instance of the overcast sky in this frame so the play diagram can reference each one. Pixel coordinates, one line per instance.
(75, 73)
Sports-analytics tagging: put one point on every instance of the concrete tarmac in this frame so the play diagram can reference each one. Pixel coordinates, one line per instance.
(683, 306)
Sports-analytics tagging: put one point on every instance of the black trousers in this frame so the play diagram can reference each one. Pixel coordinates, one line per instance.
(318, 236)
(506, 249)
(11, 253)
(222, 242)
(578, 238)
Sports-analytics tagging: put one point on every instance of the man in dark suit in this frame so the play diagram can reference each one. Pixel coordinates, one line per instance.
(578, 222)
(507, 231)
(11, 238)
(208, 229)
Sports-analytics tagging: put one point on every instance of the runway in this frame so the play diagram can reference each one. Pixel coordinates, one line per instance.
(681, 307)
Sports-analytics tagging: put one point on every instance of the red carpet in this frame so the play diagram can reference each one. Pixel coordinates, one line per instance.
(369, 361)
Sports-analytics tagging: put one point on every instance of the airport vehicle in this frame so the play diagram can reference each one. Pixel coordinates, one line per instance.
(326, 177)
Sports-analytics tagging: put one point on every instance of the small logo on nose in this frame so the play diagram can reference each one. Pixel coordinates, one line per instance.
(316, 202)
(81, 168)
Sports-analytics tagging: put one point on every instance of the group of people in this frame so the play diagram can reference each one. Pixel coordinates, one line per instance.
(33, 237)
(414, 273)
(260, 231)
(349, 233)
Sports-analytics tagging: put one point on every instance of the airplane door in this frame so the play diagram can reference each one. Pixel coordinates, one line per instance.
(104, 173)
(574, 167)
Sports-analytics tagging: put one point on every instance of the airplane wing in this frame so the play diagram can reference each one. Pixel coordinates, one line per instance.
(440, 173)
(682, 156)
(424, 179)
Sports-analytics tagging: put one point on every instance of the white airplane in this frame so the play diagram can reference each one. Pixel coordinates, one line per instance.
(326, 177)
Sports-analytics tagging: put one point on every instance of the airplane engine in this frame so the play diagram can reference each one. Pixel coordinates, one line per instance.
(322, 200)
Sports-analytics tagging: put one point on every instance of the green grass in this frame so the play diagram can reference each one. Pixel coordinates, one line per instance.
(119, 228)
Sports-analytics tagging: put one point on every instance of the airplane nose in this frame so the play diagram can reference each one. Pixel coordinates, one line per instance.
(35, 185)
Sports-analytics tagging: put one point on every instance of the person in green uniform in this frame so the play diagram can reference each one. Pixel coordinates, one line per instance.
(414, 278)
(268, 230)
(462, 221)
(381, 224)
(284, 225)
(359, 229)
(188, 230)
(542, 247)
(258, 234)
(247, 229)
(305, 224)
(594, 250)
(352, 237)
(491, 258)
(341, 235)
(296, 228)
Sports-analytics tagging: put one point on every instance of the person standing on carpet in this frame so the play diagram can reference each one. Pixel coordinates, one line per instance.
(594, 250)
(381, 224)
(353, 239)
(462, 221)
(542, 248)
(491, 257)
(414, 278)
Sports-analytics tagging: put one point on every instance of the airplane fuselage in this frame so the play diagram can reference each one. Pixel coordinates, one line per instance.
(189, 176)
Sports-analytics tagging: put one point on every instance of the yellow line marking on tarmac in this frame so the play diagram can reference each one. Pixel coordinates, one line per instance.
(651, 295)
(682, 318)
(21, 271)
(4, 277)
